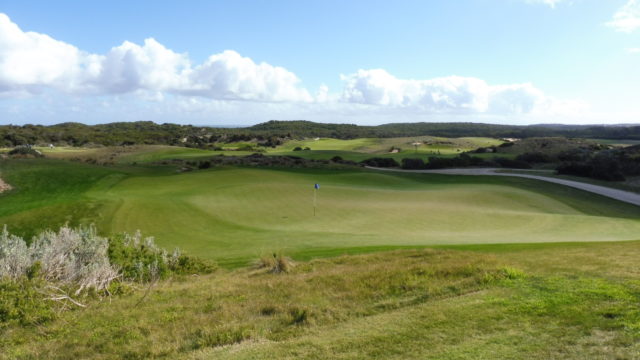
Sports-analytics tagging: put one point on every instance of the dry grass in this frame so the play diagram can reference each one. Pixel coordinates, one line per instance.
(404, 304)
(275, 263)
(179, 317)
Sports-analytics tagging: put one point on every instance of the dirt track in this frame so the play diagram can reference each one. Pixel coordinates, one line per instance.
(621, 195)
(4, 186)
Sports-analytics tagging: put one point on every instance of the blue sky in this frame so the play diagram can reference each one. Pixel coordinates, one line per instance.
(367, 62)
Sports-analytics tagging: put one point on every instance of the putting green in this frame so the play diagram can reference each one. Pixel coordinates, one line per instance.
(241, 213)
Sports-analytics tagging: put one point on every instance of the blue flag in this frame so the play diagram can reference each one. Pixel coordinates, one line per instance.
(317, 186)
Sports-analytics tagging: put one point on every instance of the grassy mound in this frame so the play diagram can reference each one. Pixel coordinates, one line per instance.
(403, 304)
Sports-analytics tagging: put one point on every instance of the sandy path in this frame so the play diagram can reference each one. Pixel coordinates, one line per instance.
(621, 195)
(4, 186)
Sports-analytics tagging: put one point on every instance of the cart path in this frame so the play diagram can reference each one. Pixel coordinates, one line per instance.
(626, 196)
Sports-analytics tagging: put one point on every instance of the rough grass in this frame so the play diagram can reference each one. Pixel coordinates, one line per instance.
(394, 305)
(428, 145)
(326, 148)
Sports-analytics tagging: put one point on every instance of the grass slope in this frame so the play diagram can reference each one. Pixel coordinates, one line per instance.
(569, 301)
(326, 148)
(236, 214)
(228, 214)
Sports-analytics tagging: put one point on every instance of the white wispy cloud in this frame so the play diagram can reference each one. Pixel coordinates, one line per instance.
(627, 18)
(633, 50)
(453, 94)
(551, 3)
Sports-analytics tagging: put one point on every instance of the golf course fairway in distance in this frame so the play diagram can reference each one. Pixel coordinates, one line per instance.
(239, 213)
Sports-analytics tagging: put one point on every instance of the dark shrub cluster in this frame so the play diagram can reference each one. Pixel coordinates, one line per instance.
(258, 160)
(380, 162)
(512, 163)
(412, 164)
(605, 165)
(25, 151)
(462, 160)
(534, 158)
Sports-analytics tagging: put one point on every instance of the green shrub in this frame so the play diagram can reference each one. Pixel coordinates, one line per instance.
(141, 260)
(22, 302)
(380, 162)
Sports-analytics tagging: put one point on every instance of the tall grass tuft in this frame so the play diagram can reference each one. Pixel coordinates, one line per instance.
(275, 263)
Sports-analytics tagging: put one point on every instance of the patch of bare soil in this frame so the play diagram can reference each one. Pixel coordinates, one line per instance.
(4, 186)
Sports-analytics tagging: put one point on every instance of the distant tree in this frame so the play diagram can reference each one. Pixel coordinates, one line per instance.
(412, 164)
(380, 162)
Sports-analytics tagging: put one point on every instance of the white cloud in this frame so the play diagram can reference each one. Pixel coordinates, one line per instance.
(627, 18)
(453, 95)
(28, 59)
(633, 50)
(50, 78)
(231, 76)
(551, 3)
(31, 62)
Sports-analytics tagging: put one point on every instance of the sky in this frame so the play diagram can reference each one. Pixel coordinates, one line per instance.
(235, 63)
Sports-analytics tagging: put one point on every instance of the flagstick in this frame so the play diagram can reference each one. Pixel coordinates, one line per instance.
(315, 193)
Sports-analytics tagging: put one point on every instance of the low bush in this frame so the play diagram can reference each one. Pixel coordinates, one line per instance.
(605, 165)
(76, 257)
(37, 279)
(141, 260)
(413, 164)
(380, 162)
(462, 160)
(25, 151)
(535, 157)
(22, 302)
(512, 163)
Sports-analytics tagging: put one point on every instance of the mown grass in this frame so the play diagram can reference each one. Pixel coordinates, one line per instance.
(235, 214)
(427, 304)
(48, 193)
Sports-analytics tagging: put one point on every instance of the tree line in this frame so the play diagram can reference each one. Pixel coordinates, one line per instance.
(274, 132)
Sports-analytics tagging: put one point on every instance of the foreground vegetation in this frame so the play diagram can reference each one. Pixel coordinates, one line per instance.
(57, 270)
(570, 301)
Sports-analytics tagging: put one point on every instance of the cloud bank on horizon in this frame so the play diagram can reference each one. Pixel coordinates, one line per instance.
(150, 80)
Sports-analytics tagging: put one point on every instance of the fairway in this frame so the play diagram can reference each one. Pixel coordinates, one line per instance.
(242, 213)
(236, 214)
